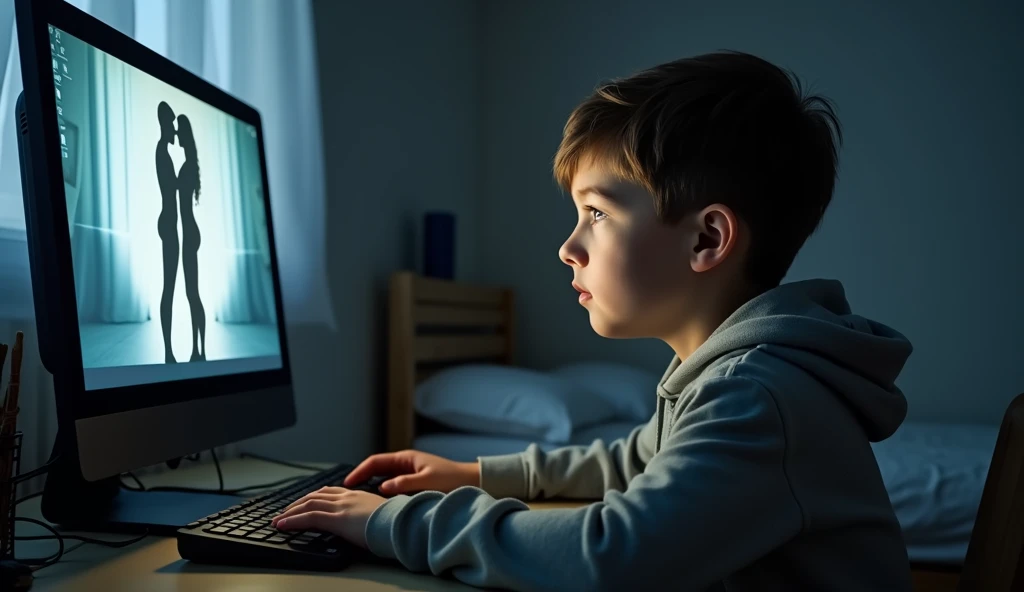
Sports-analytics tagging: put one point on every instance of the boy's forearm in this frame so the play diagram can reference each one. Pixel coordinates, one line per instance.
(579, 472)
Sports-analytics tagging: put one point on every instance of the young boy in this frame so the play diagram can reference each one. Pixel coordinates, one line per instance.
(696, 183)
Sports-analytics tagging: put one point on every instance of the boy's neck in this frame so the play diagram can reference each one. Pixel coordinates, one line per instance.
(703, 321)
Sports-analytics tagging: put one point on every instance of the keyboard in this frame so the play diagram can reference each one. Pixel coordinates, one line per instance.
(242, 534)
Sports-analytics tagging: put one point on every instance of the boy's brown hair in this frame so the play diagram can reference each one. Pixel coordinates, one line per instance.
(727, 128)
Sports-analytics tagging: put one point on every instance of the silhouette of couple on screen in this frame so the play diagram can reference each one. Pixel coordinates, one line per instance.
(179, 190)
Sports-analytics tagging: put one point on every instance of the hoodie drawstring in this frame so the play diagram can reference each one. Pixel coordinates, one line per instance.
(661, 421)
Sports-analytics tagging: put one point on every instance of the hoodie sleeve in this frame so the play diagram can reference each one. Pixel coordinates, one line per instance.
(578, 472)
(714, 499)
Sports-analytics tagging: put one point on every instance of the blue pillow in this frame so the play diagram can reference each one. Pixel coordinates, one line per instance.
(631, 391)
(510, 401)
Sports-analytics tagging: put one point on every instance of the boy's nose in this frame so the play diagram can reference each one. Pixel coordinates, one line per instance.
(571, 253)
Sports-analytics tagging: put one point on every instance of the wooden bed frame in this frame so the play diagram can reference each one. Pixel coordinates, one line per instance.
(434, 324)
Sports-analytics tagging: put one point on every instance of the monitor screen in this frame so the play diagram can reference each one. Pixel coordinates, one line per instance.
(167, 218)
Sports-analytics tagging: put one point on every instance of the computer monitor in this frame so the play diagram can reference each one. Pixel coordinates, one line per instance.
(156, 288)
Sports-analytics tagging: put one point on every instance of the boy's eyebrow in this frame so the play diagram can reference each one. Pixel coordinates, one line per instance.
(598, 191)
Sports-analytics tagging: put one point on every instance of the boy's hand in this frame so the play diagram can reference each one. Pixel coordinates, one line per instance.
(413, 470)
(331, 509)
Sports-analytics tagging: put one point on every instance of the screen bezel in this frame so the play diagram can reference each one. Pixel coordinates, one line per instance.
(41, 108)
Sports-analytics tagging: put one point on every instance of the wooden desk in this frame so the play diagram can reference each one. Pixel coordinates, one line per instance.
(154, 565)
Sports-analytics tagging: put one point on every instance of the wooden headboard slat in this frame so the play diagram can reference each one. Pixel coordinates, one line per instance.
(433, 348)
(445, 292)
(434, 324)
(455, 316)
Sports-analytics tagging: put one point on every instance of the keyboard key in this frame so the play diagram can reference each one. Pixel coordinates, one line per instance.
(256, 536)
(277, 539)
(238, 533)
(248, 528)
(191, 525)
(219, 529)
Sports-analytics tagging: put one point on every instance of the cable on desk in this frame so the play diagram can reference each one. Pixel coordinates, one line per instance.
(85, 539)
(239, 491)
(39, 563)
(25, 498)
(216, 463)
(280, 462)
(220, 476)
(36, 471)
(141, 487)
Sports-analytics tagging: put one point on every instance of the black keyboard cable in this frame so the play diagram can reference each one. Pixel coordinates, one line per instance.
(38, 563)
(220, 478)
(285, 463)
(17, 571)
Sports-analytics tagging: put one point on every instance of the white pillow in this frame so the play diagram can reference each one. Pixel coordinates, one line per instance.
(510, 401)
(631, 391)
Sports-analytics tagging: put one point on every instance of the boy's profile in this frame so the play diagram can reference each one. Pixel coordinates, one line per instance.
(696, 183)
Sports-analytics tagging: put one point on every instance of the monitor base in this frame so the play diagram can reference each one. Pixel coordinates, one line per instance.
(106, 506)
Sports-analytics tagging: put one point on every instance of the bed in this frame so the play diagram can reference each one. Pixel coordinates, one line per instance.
(934, 473)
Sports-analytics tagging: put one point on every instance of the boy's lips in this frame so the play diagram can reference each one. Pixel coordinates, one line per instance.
(584, 295)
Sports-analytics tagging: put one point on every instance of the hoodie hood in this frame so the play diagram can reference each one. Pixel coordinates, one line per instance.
(809, 325)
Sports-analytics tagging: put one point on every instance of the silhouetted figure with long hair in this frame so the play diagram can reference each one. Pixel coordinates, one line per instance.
(188, 189)
(167, 223)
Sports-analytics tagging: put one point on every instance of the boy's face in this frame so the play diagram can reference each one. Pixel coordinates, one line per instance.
(634, 271)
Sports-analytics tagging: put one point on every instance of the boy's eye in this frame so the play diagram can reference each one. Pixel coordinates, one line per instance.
(595, 214)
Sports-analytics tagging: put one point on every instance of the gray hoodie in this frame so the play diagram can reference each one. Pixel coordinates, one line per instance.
(756, 473)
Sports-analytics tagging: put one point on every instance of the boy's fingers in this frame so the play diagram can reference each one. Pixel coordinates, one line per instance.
(313, 505)
(308, 521)
(404, 483)
(378, 464)
(311, 496)
(363, 470)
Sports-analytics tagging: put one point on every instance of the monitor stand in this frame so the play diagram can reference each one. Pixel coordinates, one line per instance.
(105, 506)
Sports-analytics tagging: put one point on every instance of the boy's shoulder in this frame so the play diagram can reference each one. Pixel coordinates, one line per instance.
(808, 398)
(768, 368)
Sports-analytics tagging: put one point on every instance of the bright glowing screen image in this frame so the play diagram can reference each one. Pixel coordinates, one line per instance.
(168, 225)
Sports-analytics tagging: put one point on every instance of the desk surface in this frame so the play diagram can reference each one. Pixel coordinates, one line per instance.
(154, 565)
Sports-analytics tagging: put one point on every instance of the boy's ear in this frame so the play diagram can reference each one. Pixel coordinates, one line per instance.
(715, 233)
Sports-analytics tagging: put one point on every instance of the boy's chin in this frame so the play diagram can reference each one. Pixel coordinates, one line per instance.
(609, 329)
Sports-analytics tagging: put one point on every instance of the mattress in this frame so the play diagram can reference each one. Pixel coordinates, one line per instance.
(934, 474)
(465, 447)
